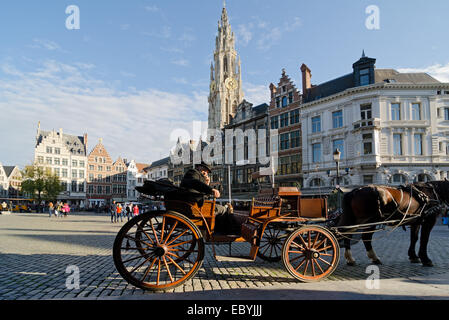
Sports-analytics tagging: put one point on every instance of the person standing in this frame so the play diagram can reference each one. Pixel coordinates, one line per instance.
(128, 211)
(50, 209)
(135, 210)
(58, 209)
(113, 212)
(119, 212)
(66, 209)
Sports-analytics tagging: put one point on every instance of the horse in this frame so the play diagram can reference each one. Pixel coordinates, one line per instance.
(416, 205)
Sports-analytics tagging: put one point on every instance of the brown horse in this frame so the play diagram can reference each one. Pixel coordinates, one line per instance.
(417, 205)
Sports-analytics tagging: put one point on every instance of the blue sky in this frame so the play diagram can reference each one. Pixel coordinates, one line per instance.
(137, 70)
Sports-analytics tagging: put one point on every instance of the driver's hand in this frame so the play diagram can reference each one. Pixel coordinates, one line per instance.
(216, 193)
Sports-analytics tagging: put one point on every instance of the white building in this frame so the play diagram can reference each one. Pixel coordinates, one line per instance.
(3, 182)
(391, 128)
(158, 169)
(66, 155)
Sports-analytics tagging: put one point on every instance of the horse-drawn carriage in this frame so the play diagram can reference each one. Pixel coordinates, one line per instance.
(159, 250)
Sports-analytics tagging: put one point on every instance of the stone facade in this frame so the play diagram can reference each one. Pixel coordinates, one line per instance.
(391, 128)
(225, 77)
(66, 156)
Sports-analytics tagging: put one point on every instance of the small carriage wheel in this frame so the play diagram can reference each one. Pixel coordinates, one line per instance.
(170, 250)
(311, 253)
(270, 248)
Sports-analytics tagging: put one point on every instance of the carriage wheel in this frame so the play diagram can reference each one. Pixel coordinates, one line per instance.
(168, 250)
(270, 248)
(311, 253)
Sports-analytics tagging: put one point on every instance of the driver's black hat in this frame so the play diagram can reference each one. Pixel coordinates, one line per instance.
(203, 165)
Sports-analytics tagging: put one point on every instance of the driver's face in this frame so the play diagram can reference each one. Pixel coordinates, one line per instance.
(204, 173)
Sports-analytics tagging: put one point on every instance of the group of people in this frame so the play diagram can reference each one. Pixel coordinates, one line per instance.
(120, 212)
(59, 209)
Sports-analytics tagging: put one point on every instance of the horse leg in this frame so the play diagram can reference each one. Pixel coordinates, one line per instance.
(367, 241)
(425, 234)
(348, 255)
(414, 235)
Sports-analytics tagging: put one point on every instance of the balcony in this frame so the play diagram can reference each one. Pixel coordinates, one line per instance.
(366, 124)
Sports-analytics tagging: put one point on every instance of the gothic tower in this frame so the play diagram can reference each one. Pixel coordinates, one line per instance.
(225, 77)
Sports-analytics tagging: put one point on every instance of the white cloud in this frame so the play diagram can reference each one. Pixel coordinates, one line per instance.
(181, 62)
(243, 31)
(45, 44)
(152, 8)
(134, 124)
(438, 71)
(256, 94)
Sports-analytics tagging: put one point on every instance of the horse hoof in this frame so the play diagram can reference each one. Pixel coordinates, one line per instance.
(378, 262)
(427, 264)
(350, 264)
(415, 260)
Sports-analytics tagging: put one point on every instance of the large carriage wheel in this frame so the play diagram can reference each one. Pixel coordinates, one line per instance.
(158, 250)
(270, 248)
(311, 253)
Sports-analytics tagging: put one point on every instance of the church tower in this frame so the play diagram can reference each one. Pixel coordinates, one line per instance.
(225, 77)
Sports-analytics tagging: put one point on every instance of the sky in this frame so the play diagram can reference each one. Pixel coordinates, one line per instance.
(133, 72)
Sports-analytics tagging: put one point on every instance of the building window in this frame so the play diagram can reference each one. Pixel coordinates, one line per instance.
(74, 163)
(295, 139)
(57, 161)
(294, 116)
(316, 152)
(285, 141)
(240, 176)
(91, 167)
(57, 172)
(418, 144)
(100, 168)
(399, 179)
(74, 174)
(74, 186)
(99, 189)
(340, 145)
(64, 173)
(48, 160)
(368, 179)
(423, 178)
(40, 160)
(278, 102)
(317, 182)
(395, 111)
(90, 189)
(365, 112)
(316, 124)
(82, 164)
(416, 111)
(107, 190)
(65, 162)
(397, 144)
(284, 102)
(81, 187)
(446, 113)
(364, 77)
(275, 122)
(290, 97)
(81, 174)
(49, 150)
(284, 120)
(337, 119)
(367, 143)
(57, 150)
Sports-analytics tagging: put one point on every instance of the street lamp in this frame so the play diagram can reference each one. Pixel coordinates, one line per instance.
(337, 155)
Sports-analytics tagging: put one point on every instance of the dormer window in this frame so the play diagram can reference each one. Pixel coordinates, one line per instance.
(364, 77)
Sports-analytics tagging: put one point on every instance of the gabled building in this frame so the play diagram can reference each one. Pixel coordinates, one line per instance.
(3, 182)
(119, 180)
(285, 116)
(14, 180)
(66, 156)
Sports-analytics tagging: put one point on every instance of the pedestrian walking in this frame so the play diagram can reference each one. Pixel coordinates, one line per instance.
(50, 209)
(113, 212)
(128, 211)
(66, 209)
(120, 212)
(135, 210)
(58, 209)
(4, 206)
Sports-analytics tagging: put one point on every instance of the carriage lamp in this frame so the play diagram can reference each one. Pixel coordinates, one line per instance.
(337, 155)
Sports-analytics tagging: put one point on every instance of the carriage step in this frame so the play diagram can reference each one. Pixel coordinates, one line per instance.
(233, 259)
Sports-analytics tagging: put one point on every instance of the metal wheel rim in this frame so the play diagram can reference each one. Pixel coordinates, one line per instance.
(165, 257)
(311, 253)
(270, 248)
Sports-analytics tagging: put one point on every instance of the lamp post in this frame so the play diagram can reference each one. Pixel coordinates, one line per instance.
(337, 155)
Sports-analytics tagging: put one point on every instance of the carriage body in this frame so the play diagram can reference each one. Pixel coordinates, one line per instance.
(277, 225)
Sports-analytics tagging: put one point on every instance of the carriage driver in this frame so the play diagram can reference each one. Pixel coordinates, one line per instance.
(197, 180)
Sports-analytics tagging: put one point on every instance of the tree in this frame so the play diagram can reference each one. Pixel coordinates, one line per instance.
(40, 183)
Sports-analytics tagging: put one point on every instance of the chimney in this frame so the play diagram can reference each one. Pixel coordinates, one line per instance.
(306, 78)
(272, 90)
(60, 132)
(85, 142)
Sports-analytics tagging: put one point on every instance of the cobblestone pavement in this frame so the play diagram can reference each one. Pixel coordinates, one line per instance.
(35, 251)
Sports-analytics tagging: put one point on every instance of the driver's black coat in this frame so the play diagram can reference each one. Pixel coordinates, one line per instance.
(194, 182)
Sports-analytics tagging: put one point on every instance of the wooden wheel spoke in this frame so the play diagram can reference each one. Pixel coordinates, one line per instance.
(145, 233)
(137, 257)
(309, 240)
(158, 271)
(168, 269)
(173, 261)
(148, 270)
(321, 259)
(296, 269)
(303, 242)
(141, 264)
(154, 232)
(316, 238)
(307, 265)
(137, 240)
(319, 267)
(171, 231)
(162, 230)
(313, 267)
(295, 251)
(297, 245)
(325, 248)
(296, 258)
(180, 235)
(181, 243)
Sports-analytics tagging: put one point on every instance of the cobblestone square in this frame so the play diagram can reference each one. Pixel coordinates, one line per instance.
(37, 250)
